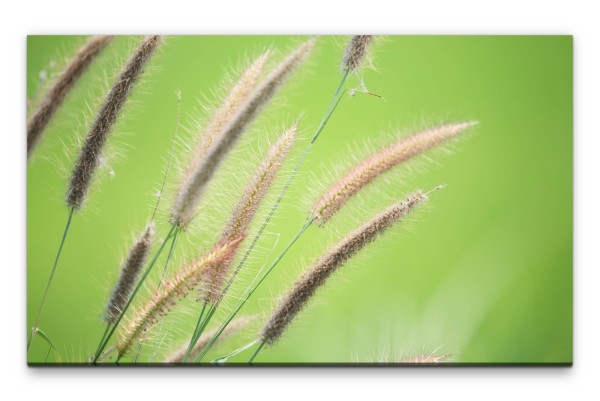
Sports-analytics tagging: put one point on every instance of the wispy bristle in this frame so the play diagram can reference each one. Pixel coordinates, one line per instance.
(425, 359)
(308, 284)
(367, 171)
(173, 290)
(195, 184)
(356, 52)
(246, 208)
(231, 104)
(233, 327)
(107, 115)
(61, 87)
(129, 274)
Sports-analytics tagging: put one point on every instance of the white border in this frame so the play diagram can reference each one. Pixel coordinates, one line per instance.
(305, 16)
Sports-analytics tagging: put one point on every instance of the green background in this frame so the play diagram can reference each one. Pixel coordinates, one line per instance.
(483, 272)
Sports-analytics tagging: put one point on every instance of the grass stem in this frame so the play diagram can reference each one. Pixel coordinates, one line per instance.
(35, 329)
(262, 344)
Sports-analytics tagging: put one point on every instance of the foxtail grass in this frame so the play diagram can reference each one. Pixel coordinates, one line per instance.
(356, 52)
(245, 210)
(195, 184)
(59, 90)
(305, 288)
(173, 290)
(367, 171)
(236, 97)
(106, 117)
(334, 102)
(129, 273)
(238, 225)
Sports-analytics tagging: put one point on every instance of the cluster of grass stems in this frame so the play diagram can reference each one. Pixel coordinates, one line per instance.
(209, 275)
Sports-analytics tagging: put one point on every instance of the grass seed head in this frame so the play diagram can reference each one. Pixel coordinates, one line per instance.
(129, 274)
(246, 208)
(356, 52)
(314, 278)
(195, 184)
(377, 164)
(178, 287)
(91, 152)
(58, 91)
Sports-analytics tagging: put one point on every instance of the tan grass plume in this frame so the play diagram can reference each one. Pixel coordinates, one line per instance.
(105, 118)
(129, 274)
(195, 184)
(172, 291)
(246, 208)
(233, 327)
(371, 168)
(239, 92)
(324, 267)
(356, 52)
(58, 91)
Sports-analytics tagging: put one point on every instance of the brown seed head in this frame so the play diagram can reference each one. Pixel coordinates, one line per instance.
(356, 52)
(377, 164)
(129, 274)
(195, 184)
(61, 87)
(107, 115)
(235, 98)
(173, 290)
(314, 278)
(246, 208)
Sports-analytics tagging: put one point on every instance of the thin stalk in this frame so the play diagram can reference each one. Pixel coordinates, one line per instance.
(162, 279)
(195, 336)
(262, 344)
(102, 344)
(164, 272)
(34, 329)
(253, 288)
(105, 333)
(234, 353)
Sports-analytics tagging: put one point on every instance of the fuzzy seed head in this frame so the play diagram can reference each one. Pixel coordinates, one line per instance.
(129, 274)
(246, 208)
(323, 268)
(231, 329)
(231, 104)
(195, 184)
(377, 164)
(356, 52)
(107, 115)
(259, 185)
(59, 90)
(172, 291)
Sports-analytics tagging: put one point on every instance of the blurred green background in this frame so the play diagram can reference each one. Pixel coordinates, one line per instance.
(484, 272)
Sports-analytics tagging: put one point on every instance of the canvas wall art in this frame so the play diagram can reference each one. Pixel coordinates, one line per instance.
(299, 200)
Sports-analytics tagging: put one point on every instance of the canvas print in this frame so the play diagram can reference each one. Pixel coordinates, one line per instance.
(299, 200)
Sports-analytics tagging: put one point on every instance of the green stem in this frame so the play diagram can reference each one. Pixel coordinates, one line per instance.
(160, 283)
(39, 313)
(262, 344)
(103, 344)
(249, 293)
(195, 335)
